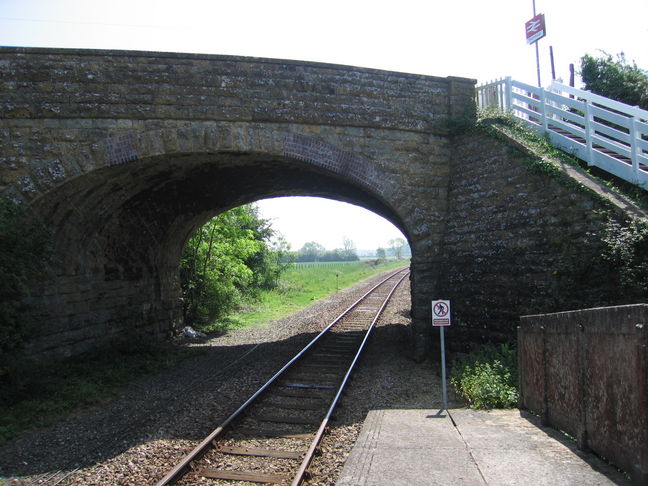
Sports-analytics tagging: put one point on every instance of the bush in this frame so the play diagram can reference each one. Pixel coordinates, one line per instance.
(616, 79)
(487, 378)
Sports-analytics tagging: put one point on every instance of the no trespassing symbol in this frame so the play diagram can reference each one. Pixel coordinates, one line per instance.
(440, 313)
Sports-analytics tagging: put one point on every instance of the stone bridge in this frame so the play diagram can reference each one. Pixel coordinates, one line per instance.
(125, 154)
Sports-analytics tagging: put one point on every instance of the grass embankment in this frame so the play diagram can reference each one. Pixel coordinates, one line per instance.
(48, 392)
(305, 283)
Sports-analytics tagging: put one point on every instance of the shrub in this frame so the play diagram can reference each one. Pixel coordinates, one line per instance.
(487, 378)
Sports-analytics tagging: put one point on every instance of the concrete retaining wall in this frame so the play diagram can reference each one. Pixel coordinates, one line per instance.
(586, 372)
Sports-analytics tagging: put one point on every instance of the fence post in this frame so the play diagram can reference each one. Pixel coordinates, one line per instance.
(634, 145)
(508, 98)
(588, 132)
(543, 108)
(582, 341)
(544, 413)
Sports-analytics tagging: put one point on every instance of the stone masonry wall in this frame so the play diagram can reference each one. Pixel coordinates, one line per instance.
(510, 236)
(123, 154)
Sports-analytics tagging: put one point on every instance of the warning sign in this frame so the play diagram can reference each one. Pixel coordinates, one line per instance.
(440, 312)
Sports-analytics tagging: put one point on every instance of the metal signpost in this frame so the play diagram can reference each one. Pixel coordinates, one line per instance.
(536, 30)
(441, 319)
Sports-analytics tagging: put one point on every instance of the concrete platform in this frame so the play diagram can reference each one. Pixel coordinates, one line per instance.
(468, 448)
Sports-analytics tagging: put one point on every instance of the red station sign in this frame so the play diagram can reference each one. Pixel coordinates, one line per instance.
(535, 29)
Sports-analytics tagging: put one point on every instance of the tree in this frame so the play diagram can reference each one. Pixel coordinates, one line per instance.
(310, 252)
(226, 262)
(381, 254)
(615, 79)
(349, 252)
(397, 246)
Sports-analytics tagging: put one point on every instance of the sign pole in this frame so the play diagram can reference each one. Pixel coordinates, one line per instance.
(444, 390)
(441, 319)
(536, 30)
(537, 52)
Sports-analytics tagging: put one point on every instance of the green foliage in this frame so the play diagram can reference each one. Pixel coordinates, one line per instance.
(626, 253)
(487, 378)
(47, 391)
(616, 79)
(25, 251)
(315, 252)
(399, 247)
(227, 262)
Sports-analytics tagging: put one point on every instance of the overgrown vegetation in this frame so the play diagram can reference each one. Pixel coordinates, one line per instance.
(227, 262)
(615, 79)
(487, 377)
(47, 391)
(25, 252)
(496, 122)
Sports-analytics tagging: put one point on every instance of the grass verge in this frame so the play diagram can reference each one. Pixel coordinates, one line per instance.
(303, 284)
(542, 147)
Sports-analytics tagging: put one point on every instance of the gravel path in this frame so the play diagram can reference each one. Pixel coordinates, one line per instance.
(136, 438)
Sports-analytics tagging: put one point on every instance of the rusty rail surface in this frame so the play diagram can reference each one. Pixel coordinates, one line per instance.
(308, 385)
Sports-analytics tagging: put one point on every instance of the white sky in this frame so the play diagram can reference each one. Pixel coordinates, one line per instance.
(477, 39)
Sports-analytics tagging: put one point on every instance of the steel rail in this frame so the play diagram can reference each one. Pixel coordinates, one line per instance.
(177, 472)
(322, 428)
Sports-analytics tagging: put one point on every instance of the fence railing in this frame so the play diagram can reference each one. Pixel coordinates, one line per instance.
(604, 133)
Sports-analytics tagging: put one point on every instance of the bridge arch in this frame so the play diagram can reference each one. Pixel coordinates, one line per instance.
(119, 151)
(121, 221)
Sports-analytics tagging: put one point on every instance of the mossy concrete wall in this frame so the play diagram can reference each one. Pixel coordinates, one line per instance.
(586, 372)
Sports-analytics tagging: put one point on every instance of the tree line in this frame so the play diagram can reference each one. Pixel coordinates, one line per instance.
(315, 252)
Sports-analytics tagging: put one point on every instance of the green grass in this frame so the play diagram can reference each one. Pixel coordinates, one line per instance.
(47, 392)
(303, 284)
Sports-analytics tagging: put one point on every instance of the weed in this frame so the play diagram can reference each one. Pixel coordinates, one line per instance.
(487, 378)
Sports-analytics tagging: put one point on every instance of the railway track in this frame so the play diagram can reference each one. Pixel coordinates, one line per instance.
(274, 435)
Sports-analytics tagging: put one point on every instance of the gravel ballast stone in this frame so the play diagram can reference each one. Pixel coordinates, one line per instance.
(136, 438)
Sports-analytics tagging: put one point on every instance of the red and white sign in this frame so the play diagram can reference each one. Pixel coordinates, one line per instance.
(440, 312)
(535, 29)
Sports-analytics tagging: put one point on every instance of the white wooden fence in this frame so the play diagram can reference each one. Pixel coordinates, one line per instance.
(605, 133)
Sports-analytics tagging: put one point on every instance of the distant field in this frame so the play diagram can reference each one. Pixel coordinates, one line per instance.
(305, 283)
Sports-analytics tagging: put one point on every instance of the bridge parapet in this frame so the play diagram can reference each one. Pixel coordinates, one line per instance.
(52, 98)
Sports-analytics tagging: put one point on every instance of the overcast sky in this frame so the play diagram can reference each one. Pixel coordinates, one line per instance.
(471, 38)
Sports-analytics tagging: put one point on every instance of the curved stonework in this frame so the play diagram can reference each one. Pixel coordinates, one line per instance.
(124, 154)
